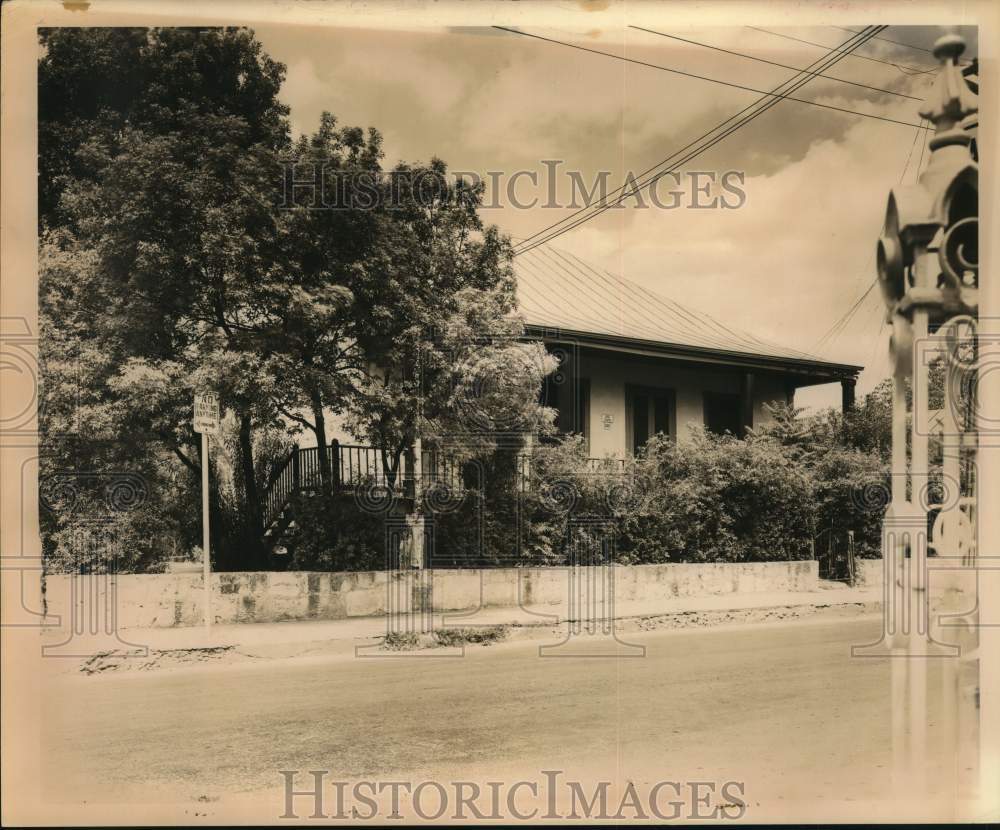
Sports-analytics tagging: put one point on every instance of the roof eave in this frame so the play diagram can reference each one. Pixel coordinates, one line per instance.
(818, 371)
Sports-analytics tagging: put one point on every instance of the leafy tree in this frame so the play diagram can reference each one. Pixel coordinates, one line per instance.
(95, 85)
(309, 323)
(170, 189)
(869, 426)
(394, 302)
(87, 438)
(165, 182)
(440, 340)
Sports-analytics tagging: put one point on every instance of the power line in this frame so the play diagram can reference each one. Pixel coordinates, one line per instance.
(764, 103)
(703, 77)
(793, 83)
(775, 63)
(889, 40)
(838, 327)
(901, 67)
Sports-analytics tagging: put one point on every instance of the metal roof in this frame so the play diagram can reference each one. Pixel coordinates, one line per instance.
(557, 290)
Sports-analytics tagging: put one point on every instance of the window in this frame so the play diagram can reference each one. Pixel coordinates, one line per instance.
(650, 411)
(723, 413)
(572, 403)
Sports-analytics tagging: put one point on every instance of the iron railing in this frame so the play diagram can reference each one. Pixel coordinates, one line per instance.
(349, 465)
(352, 464)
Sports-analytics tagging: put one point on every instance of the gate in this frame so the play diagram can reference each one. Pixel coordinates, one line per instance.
(833, 550)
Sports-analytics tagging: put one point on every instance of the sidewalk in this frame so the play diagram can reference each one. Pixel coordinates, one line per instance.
(274, 637)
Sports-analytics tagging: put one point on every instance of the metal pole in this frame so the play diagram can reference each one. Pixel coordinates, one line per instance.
(206, 557)
(919, 590)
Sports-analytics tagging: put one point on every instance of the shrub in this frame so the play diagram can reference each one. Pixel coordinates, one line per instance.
(400, 641)
(333, 534)
(524, 511)
(718, 499)
(487, 635)
(850, 492)
(480, 530)
(567, 501)
(708, 498)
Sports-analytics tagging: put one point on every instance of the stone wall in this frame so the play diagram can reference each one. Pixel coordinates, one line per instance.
(159, 600)
(868, 573)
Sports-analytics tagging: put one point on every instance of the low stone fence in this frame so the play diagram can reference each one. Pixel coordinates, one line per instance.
(868, 573)
(163, 600)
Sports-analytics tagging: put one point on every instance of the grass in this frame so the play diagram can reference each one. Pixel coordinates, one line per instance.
(485, 635)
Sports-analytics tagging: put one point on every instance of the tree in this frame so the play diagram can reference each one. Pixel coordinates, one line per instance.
(440, 341)
(390, 308)
(167, 181)
(395, 300)
(309, 323)
(88, 441)
(95, 85)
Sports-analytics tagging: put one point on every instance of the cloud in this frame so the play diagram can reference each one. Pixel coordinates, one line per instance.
(304, 92)
(786, 266)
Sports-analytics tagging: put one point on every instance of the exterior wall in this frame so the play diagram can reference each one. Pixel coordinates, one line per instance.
(609, 375)
(166, 600)
(335, 429)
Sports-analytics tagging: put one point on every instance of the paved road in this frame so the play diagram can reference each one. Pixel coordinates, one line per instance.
(782, 707)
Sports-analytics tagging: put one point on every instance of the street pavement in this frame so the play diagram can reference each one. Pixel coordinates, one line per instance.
(780, 707)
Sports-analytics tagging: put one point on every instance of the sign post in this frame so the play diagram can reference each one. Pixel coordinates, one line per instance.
(206, 422)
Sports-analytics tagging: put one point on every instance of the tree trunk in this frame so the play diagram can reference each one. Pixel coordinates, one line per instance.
(319, 427)
(256, 554)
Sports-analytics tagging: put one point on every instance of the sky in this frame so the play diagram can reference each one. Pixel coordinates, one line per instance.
(785, 266)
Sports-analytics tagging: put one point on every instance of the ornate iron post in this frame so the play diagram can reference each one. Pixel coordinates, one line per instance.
(929, 274)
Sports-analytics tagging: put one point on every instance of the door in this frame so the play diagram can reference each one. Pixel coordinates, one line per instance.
(650, 412)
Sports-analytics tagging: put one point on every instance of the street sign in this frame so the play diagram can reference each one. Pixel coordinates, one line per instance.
(206, 413)
(206, 421)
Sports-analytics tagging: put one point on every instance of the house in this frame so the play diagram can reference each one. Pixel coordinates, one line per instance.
(634, 363)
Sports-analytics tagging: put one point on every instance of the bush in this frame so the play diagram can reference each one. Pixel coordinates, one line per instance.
(333, 534)
(485, 636)
(850, 492)
(708, 499)
(524, 511)
(705, 499)
(480, 530)
(718, 499)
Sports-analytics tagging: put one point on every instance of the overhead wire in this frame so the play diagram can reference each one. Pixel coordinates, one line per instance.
(906, 70)
(773, 63)
(890, 40)
(764, 103)
(841, 324)
(696, 76)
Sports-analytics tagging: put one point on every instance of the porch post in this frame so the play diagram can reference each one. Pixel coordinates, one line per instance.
(847, 394)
